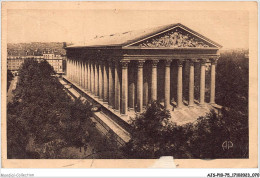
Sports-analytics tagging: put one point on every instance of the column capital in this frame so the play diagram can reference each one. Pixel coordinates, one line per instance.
(109, 59)
(203, 62)
(140, 63)
(104, 62)
(154, 63)
(101, 61)
(111, 64)
(116, 63)
(214, 60)
(192, 62)
(93, 62)
(124, 63)
(168, 62)
(180, 62)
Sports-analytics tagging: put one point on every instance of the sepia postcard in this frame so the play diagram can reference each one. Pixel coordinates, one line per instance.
(129, 85)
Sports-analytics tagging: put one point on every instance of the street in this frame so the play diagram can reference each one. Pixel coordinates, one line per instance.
(11, 88)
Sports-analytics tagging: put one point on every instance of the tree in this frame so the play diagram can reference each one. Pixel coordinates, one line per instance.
(46, 69)
(211, 132)
(149, 131)
(154, 135)
(232, 80)
(45, 116)
(73, 129)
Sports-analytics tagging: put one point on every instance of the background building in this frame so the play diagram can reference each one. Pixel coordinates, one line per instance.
(53, 52)
(14, 63)
(55, 60)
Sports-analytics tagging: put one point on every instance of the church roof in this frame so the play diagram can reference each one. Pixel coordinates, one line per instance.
(129, 38)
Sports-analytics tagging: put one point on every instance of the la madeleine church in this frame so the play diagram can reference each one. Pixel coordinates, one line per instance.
(124, 72)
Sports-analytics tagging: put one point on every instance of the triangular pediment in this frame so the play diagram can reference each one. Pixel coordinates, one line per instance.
(175, 37)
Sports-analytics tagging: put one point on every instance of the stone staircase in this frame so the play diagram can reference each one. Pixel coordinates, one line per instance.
(187, 114)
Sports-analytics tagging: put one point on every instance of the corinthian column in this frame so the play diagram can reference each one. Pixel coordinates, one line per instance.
(140, 86)
(154, 80)
(132, 96)
(124, 86)
(96, 79)
(86, 75)
(79, 65)
(100, 81)
(82, 74)
(81, 71)
(70, 63)
(212, 81)
(167, 84)
(67, 68)
(191, 84)
(111, 85)
(75, 72)
(202, 82)
(78, 76)
(179, 85)
(145, 95)
(89, 75)
(105, 84)
(117, 88)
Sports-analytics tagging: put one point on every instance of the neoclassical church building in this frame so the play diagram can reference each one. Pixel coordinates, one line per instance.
(124, 72)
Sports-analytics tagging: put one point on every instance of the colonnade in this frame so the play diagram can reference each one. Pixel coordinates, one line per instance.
(102, 79)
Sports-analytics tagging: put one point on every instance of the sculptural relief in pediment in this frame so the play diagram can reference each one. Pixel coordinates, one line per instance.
(175, 38)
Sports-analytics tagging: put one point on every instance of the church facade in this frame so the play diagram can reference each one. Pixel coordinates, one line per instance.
(127, 71)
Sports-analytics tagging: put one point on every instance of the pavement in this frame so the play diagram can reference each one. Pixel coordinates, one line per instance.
(189, 114)
(11, 88)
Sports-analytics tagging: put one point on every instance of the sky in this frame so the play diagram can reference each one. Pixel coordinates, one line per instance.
(228, 28)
